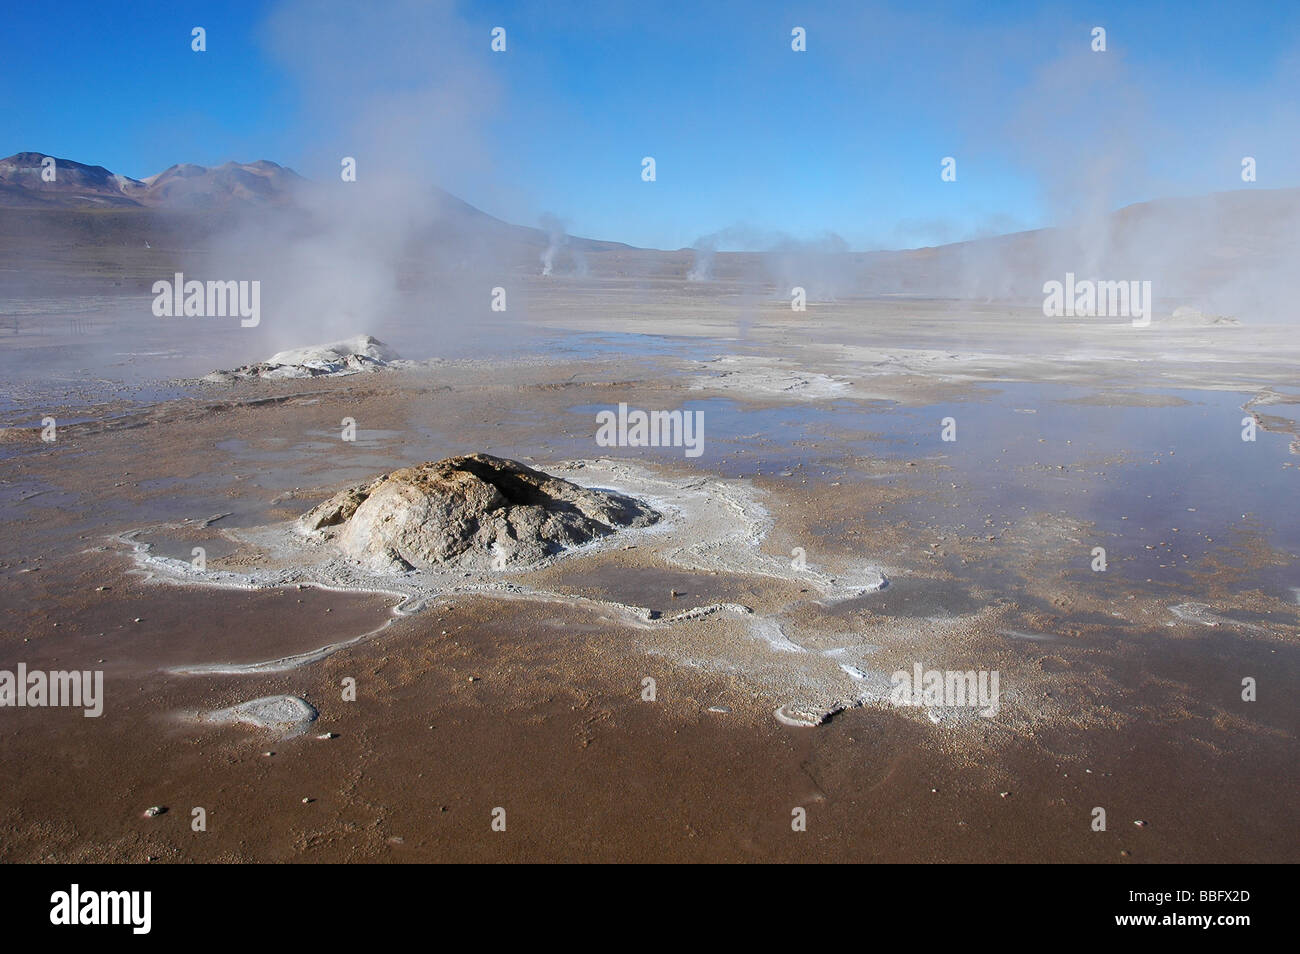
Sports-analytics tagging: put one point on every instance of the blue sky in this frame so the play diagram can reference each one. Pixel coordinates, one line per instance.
(751, 139)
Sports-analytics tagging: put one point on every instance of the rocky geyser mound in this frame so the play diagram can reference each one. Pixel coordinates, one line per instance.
(351, 356)
(473, 512)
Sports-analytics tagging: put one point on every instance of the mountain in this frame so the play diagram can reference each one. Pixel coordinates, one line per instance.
(197, 187)
(1228, 251)
(77, 185)
(22, 184)
(91, 229)
(236, 187)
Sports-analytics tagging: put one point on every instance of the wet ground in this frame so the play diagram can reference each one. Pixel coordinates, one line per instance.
(1123, 685)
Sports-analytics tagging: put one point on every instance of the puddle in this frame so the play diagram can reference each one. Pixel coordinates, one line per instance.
(913, 597)
(212, 625)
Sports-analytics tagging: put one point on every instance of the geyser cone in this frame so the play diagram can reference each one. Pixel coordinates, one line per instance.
(475, 511)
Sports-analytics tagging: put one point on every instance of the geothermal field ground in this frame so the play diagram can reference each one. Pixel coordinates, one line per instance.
(560, 645)
(511, 431)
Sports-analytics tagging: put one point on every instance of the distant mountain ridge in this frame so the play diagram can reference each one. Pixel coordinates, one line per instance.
(78, 187)
(1225, 252)
(23, 184)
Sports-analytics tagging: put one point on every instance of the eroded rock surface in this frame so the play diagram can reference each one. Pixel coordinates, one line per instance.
(475, 512)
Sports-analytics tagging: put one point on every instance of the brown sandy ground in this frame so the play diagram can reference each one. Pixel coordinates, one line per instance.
(537, 707)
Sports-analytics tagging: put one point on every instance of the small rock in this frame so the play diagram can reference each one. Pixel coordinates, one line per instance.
(154, 811)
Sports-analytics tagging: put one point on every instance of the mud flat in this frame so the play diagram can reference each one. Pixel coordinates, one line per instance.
(768, 609)
(756, 377)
